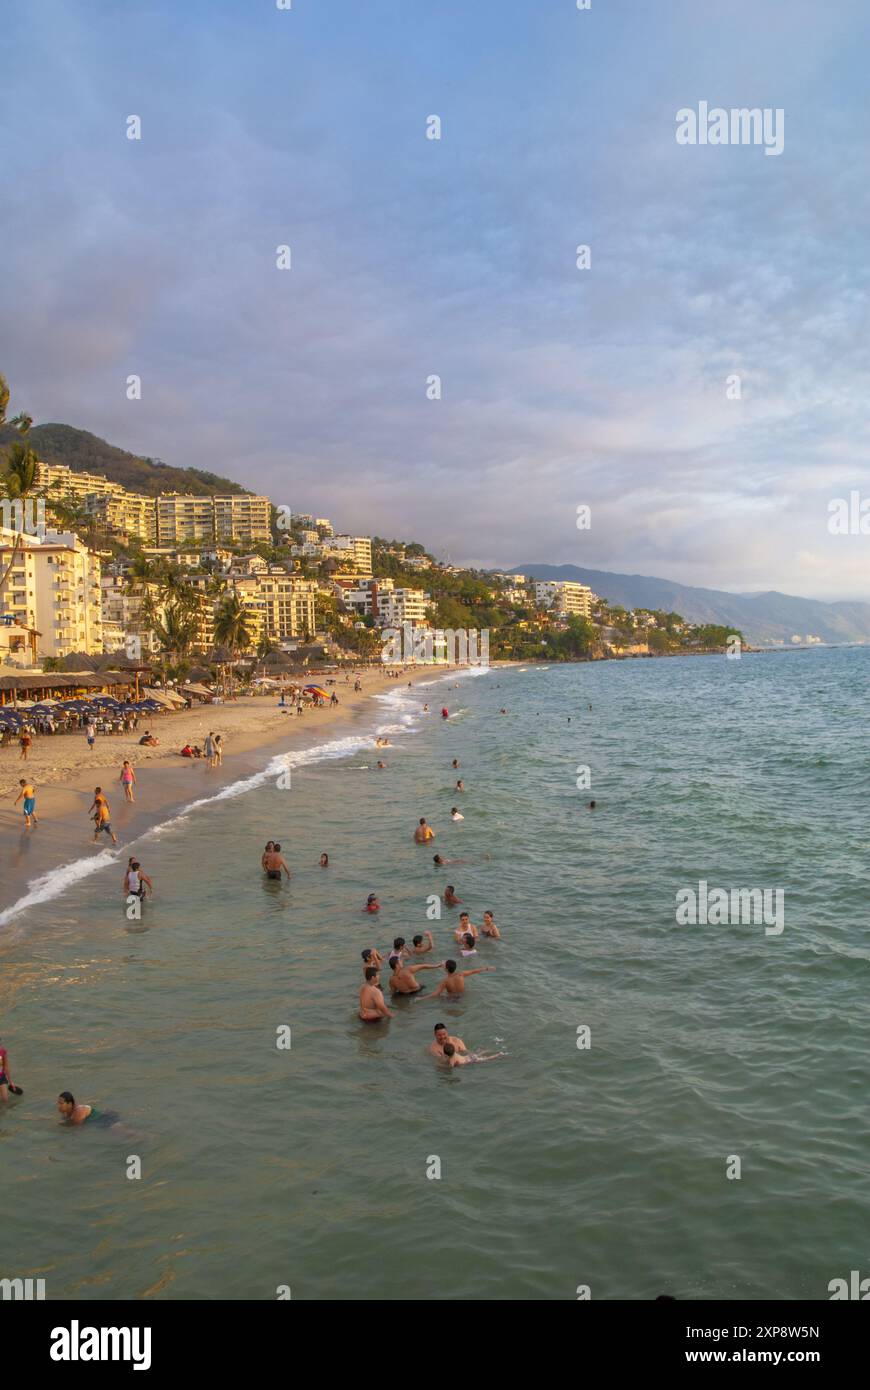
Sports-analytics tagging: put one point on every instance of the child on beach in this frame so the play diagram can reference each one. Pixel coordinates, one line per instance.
(28, 792)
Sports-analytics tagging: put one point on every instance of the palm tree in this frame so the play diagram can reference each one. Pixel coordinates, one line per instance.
(231, 626)
(178, 628)
(19, 483)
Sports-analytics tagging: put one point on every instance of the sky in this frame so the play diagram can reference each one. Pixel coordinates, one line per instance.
(411, 258)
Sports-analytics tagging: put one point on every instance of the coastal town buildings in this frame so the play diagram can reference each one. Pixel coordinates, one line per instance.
(564, 597)
(53, 587)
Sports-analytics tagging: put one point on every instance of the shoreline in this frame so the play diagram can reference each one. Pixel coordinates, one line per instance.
(64, 834)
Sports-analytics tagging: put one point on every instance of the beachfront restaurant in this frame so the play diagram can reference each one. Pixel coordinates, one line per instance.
(64, 685)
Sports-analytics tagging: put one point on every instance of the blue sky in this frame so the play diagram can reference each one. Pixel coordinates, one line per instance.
(456, 257)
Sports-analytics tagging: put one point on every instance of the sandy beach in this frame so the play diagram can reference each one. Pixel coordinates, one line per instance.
(65, 772)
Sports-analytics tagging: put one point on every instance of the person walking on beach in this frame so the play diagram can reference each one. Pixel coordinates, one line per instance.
(127, 780)
(208, 749)
(424, 833)
(454, 980)
(102, 818)
(218, 750)
(371, 1000)
(28, 792)
(91, 733)
(25, 741)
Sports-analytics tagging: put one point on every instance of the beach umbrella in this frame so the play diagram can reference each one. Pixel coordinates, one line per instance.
(318, 690)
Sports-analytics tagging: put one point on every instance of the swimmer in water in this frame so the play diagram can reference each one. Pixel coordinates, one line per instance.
(489, 927)
(453, 983)
(442, 1037)
(404, 980)
(371, 957)
(72, 1114)
(455, 762)
(456, 814)
(399, 949)
(436, 859)
(468, 946)
(460, 786)
(450, 898)
(324, 861)
(466, 927)
(419, 947)
(273, 862)
(592, 806)
(380, 764)
(424, 833)
(462, 1059)
(371, 1000)
(372, 904)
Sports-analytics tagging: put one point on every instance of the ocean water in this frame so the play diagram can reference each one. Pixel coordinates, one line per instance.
(560, 1166)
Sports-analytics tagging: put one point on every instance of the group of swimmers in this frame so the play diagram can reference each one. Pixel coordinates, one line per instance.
(406, 962)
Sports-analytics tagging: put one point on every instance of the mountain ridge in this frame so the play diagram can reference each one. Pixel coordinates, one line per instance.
(84, 452)
(763, 617)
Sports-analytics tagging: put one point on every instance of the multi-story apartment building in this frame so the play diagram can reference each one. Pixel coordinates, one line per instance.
(564, 597)
(54, 587)
(218, 519)
(242, 518)
(398, 606)
(181, 518)
(287, 604)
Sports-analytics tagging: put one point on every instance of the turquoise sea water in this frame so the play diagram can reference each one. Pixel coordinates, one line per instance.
(607, 1167)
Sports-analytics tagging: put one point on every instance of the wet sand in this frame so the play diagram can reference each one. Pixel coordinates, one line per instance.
(65, 773)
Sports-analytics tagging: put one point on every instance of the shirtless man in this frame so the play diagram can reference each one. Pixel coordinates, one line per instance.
(453, 983)
(424, 833)
(489, 927)
(371, 1001)
(273, 862)
(450, 898)
(441, 1037)
(437, 859)
(419, 947)
(404, 980)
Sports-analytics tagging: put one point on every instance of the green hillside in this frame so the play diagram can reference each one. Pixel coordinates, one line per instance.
(86, 453)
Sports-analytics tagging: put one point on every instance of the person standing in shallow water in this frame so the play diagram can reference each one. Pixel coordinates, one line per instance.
(127, 780)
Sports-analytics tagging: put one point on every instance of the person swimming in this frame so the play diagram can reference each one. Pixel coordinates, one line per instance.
(468, 946)
(462, 1059)
(324, 861)
(450, 898)
(456, 814)
(372, 904)
(424, 832)
(73, 1114)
